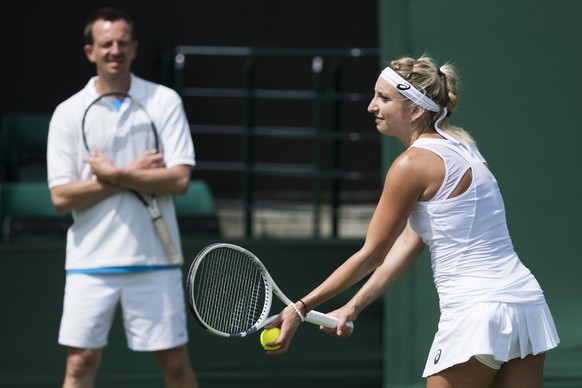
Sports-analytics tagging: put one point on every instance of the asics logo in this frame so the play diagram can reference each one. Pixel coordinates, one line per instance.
(438, 356)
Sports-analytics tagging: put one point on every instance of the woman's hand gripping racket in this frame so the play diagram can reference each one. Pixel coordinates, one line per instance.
(148, 139)
(230, 292)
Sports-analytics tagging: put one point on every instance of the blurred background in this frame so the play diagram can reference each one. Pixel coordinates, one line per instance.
(290, 166)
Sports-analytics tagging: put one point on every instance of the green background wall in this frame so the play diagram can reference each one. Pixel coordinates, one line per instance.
(519, 63)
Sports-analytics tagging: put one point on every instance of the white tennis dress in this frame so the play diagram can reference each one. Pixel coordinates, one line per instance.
(490, 303)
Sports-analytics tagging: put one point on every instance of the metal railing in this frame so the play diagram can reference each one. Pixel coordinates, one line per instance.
(320, 91)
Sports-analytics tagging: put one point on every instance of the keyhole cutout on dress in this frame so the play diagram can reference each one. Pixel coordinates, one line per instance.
(465, 182)
(463, 185)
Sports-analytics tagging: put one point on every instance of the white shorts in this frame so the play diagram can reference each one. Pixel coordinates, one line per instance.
(502, 330)
(152, 305)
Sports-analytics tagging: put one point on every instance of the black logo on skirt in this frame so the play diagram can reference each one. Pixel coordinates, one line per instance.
(438, 356)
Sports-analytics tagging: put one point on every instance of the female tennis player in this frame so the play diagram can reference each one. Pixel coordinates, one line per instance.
(495, 325)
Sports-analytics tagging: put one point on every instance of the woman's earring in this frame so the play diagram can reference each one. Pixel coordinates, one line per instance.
(410, 126)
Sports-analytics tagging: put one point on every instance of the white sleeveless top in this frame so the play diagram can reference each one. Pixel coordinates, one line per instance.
(473, 259)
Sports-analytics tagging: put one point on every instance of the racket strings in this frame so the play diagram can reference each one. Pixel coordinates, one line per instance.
(231, 295)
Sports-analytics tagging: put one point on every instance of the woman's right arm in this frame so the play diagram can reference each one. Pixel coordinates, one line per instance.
(405, 182)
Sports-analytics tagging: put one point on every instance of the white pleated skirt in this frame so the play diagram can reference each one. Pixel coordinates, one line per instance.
(502, 330)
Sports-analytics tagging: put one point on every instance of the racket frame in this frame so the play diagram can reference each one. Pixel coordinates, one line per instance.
(314, 317)
(263, 319)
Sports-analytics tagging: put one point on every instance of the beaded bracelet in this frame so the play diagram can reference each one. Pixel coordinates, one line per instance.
(297, 311)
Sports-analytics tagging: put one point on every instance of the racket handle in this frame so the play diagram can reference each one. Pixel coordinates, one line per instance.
(322, 319)
(160, 225)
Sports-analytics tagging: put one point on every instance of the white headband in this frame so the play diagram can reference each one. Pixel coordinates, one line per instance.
(418, 98)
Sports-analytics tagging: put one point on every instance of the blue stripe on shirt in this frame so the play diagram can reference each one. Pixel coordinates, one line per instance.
(119, 270)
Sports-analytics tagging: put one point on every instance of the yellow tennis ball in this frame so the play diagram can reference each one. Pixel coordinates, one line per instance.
(270, 335)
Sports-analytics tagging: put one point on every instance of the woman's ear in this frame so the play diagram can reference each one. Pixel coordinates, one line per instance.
(417, 112)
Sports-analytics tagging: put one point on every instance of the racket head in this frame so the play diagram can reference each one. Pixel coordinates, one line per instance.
(229, 290)
(143, 128)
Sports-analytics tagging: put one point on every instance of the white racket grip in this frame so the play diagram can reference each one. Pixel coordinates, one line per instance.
(326, 320)
(160, 225)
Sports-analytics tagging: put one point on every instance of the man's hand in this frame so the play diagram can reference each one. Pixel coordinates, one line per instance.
(147, 160)
(102, 166)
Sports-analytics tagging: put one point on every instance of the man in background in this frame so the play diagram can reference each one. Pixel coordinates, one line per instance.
(114, 255)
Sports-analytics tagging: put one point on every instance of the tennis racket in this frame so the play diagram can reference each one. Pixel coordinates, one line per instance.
(230, 292)
(143, 137)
